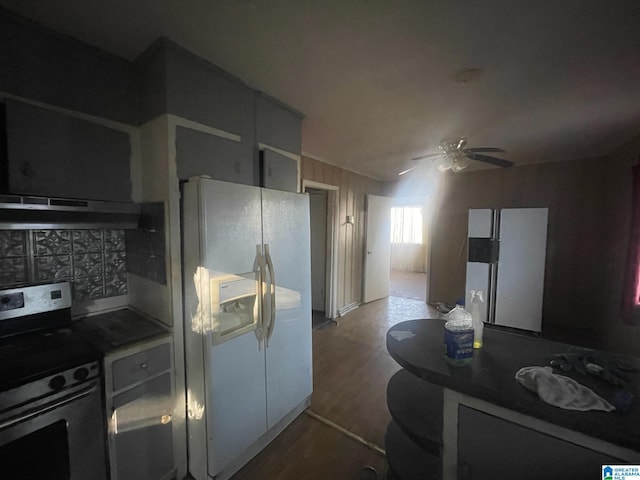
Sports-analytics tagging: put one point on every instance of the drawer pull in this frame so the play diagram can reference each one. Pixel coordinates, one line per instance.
(164, 419)
(140, 366)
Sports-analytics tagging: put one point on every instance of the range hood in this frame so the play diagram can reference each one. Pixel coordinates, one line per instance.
(42, 213)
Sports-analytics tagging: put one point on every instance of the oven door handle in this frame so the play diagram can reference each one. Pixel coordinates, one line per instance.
(48, 407)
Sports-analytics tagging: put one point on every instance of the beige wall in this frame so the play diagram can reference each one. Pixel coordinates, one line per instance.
(353, 188)
(589, 211)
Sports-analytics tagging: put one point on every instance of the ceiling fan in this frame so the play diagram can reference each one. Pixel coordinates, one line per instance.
(455, 157)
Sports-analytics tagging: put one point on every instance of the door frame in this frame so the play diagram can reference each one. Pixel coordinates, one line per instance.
(331, 264)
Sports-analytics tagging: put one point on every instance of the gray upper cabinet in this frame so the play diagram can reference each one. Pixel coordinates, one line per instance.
(199, 153)
(278, 171)
(40, 64)
(174, 80)
(278, 125)
(55, 155)
(200, 91)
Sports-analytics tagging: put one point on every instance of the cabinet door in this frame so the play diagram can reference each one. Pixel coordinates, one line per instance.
(278, 172)
(199, 153)
(142, 439)
(55, 155)
(493, 448)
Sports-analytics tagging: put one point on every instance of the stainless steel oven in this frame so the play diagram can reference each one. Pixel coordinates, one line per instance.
(51, 412)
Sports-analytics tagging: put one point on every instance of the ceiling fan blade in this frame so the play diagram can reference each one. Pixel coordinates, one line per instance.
(407, 170)
(484, 149)
(487, 159)
(422, 157)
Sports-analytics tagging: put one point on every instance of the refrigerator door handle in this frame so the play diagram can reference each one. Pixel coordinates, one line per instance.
(260, 291)
(272, 291)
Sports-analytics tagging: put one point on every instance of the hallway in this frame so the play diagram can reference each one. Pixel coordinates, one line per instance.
(351, 370)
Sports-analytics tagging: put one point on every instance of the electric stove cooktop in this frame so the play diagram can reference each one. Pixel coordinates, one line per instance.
(36, 339)
(28, 357)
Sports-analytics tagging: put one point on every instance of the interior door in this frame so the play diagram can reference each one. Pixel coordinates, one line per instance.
(318, 217)
(377, 259)
(288, 351)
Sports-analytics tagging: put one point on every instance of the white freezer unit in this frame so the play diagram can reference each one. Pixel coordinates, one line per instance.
(246, 260)
(506, 260)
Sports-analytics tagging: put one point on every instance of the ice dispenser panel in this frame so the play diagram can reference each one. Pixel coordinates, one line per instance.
(234, 305)
(483, 250)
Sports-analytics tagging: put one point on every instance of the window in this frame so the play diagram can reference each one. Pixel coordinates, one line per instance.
(631, 293)
(406, 224)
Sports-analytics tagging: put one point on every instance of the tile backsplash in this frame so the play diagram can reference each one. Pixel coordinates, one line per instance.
(94, 261)
(13, 258)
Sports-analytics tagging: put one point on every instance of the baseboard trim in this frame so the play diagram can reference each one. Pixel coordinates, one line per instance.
(347, 308)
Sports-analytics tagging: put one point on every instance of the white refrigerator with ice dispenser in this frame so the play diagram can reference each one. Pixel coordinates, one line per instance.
(247, 306)
(506, 260)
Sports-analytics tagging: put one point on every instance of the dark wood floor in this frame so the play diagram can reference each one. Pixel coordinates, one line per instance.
(351, 371)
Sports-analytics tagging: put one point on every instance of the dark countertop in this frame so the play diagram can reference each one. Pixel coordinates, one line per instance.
(118, 329)
(491, 377)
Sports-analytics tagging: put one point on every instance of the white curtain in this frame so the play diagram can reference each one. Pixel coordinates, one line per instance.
(408, 251)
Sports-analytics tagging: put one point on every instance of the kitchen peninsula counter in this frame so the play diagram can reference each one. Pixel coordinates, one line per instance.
(487, 388)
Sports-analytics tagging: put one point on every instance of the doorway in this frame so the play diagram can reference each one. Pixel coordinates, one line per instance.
(323, 203)
(409, 252)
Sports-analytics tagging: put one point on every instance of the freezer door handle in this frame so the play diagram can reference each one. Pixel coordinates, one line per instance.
(272, 292)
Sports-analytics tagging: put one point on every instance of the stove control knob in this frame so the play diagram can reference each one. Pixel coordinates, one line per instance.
(57, 382)
(81, 374)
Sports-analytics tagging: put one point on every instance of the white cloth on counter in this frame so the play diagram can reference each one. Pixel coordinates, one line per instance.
(561, 391)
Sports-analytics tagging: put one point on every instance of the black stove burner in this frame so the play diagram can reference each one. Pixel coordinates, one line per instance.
(28, 357)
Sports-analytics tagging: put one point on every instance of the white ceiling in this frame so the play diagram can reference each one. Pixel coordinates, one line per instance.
(376, 79)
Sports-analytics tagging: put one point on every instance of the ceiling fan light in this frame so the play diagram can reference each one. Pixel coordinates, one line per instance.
(460, 162)
(445, 163)
(444, 166)
(456, 167)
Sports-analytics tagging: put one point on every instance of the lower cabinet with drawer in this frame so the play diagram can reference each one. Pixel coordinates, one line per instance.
(140, 401)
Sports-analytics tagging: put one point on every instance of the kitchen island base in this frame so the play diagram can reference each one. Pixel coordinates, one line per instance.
(492, 427)
(483, 440)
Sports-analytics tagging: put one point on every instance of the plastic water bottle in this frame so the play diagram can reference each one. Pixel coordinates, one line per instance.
(477, 316)
(458, 336)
